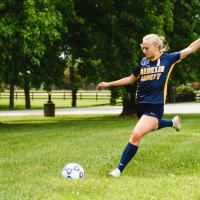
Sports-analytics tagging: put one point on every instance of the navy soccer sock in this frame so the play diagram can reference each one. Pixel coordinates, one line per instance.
(164, 123)
(128, 153)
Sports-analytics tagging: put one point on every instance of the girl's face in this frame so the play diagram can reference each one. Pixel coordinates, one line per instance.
(149, 49)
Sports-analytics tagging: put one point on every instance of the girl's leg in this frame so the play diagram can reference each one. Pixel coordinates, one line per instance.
(165, 123)
(145, 125)
(175, 123)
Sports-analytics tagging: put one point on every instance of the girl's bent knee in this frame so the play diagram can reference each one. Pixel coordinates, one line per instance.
(135, 138)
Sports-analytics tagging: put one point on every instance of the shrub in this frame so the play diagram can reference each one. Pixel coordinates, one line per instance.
(185, 93)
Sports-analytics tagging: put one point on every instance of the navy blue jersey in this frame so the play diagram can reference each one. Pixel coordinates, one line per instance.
(153, 78)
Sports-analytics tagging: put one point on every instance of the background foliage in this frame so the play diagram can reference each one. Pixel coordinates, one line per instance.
(104, 36)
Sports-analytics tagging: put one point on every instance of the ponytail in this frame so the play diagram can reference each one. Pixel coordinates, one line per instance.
(157, 40)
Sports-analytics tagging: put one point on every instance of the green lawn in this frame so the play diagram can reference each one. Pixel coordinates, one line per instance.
(34, 150)
(59, 103)
(96, 98)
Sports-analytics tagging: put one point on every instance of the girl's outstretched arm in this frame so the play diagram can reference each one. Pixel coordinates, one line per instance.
(190, 49)
(124, 81)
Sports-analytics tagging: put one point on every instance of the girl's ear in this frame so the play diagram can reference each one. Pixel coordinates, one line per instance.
(158, 47)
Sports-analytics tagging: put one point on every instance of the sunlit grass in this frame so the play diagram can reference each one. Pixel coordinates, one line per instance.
(59, 103)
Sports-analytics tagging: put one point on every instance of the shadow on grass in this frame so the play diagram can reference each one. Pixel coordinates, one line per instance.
(67, 119)
(80, 121)
(74, 121)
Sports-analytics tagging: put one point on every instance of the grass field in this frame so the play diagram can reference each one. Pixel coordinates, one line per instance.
(59, 103)
(34, 150)
(39, 97)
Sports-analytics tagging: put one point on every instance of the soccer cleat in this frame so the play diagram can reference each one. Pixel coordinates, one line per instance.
(115, 173)
(176, 123)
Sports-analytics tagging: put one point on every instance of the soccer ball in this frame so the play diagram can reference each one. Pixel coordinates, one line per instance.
(73, 171)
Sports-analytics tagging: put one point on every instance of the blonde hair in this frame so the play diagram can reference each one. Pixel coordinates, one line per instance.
(157, 40)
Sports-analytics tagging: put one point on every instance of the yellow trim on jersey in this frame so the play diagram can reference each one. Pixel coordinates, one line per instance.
(165, 87)
(153, 59)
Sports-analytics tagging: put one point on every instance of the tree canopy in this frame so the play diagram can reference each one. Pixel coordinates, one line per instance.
(103, 35)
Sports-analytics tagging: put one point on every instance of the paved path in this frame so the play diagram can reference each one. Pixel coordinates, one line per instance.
(169, 109)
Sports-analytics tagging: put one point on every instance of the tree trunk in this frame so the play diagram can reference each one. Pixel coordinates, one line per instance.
(11, 98)
(129, 106)
(27, 95)
(171, 94)
(74, 97)
(73, 87)
(114, 96)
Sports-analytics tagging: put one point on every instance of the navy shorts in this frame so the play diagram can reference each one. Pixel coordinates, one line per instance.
(154, 110)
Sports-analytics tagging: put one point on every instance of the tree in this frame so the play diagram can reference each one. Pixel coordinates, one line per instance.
(116, 29)
(186, 29)
(75, 44)
(29, 31)
(72, 79)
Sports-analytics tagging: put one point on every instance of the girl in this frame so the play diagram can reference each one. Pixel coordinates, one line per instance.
(152, 75)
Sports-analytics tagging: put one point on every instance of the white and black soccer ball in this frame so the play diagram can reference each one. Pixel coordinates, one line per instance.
(73, 171)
